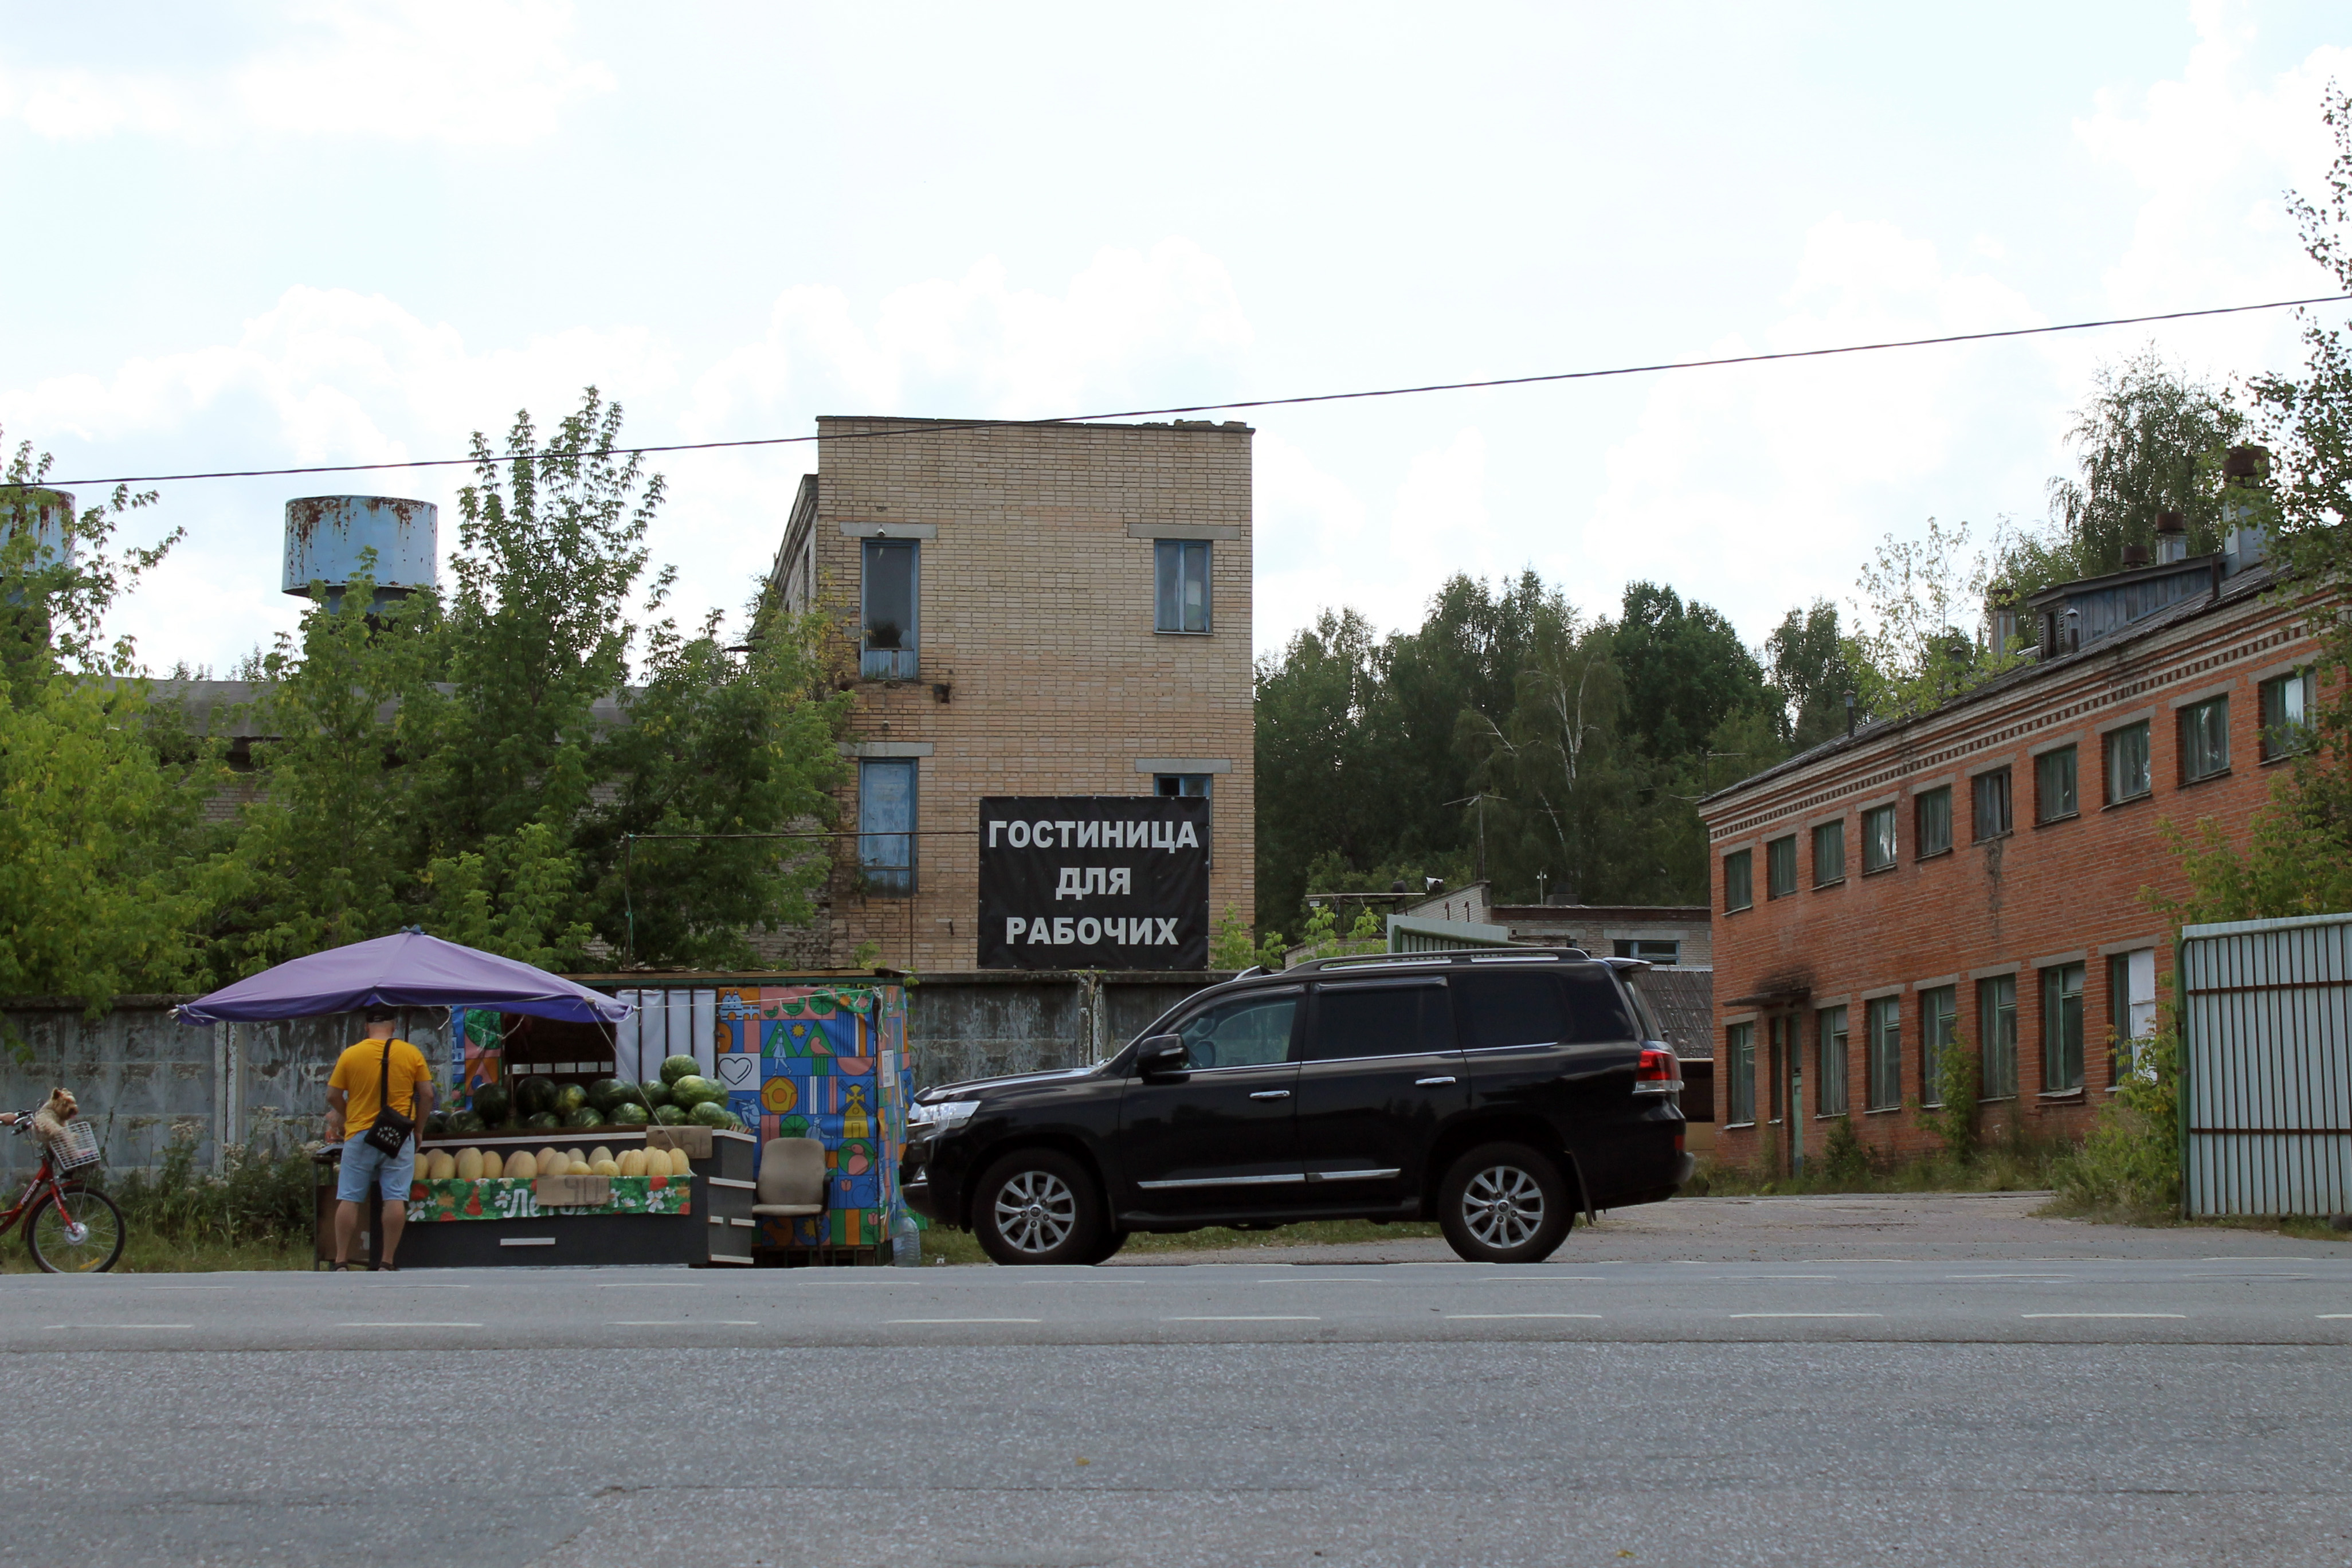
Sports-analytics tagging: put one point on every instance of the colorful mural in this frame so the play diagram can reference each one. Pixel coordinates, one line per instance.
(828, 1062)
(507, 1197)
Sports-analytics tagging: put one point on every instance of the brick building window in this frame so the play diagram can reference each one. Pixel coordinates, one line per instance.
(1649, 950)
(1992, 801)
(2205, 739)
(1829, 1066)
(2131, 1006)
(1780, 866)
(1878, 839)
(890, 589)
(1177, 785)
(1882, 1051)
(1738, 880)
(2061, 1028)
(1931, 822)
(2287, 706)
(1829, 853)
(1940, 1033)
(1180, 585)
(2054, 798)
(2128, 770)
(1997, 1037)
(886, 824)
(1739, 1065)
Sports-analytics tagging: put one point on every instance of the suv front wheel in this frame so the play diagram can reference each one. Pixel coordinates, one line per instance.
(1039, 1206)
(1503, 1202)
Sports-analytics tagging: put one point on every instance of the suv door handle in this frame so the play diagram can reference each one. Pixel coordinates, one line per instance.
(1271, 1094)
(1428, 1082)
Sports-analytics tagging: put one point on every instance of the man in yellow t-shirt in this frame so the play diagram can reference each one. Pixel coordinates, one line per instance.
(352, 1102)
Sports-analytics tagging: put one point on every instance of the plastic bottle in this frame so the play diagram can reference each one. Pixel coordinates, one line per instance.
(906, 1241)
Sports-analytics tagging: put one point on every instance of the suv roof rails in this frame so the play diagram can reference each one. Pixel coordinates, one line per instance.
(1448, 955)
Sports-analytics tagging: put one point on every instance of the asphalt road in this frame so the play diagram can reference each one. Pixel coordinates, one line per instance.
(2161, 1409)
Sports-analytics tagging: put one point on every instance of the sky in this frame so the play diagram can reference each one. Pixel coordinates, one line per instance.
(263, 235)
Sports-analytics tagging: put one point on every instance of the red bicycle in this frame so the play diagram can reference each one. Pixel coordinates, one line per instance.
(68, 1228)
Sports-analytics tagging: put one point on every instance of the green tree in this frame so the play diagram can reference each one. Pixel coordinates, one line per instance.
(2147, 442)
(1684, 669)
(1814, 669)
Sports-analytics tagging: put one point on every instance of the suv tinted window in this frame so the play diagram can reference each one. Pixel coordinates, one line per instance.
(1379, 1021)
(1248, 1031)
(1596, 1009)
(1514, 1010)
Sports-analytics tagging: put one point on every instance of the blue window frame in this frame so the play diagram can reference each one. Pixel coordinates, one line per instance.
(1180, 570)
(886, 824)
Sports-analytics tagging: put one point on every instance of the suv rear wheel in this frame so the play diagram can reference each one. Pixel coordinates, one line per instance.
(1039, 1205)
(1503, 1202)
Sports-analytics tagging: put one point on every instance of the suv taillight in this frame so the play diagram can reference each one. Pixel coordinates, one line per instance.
(1660, 1072)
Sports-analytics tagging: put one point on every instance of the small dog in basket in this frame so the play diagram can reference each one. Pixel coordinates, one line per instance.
(49, 1121)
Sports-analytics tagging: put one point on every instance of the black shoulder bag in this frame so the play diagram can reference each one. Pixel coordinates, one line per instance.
(390, 1129)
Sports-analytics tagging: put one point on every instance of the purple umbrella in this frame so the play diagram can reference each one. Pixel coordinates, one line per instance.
(407, 969)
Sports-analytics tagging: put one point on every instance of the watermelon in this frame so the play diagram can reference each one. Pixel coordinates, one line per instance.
(466, 1123)
(491, 1103)
(437, 1124)
(584, 1116)
(711, 1114)
(629, 1113)
(602, 1094)
(676, 1067)
(693, 1089)
(628, 1093)
(569, 1099)
(543, 1119)
(669, 1116)
(655, 1093)
(533, 1095)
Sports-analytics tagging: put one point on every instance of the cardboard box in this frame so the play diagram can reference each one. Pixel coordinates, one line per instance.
(695, 1141)
(572, 1191)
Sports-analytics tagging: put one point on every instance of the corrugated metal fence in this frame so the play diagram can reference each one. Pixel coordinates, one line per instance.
(2266, 1067)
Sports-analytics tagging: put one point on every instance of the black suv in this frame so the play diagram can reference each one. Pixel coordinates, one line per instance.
(1495, 1091)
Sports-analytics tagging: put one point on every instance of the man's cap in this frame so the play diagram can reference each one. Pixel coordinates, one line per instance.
(380, 1016)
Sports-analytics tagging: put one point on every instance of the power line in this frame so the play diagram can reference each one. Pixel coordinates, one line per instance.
(943, 425)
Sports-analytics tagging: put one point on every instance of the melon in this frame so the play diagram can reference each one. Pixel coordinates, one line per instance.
(520, 1166)
(574, 1157)
(680, 1165)
(439, 1166)
(533, 1095)
(493, 1166)
(550, 1162)
(581, 1168)
(604, 1168)
(469, 1164)
(633, 1161)
(599, 1153)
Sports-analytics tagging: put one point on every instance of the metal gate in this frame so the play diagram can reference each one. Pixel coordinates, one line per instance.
(2266, 1067)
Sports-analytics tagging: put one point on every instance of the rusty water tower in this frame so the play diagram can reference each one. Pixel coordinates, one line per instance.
(328, 539)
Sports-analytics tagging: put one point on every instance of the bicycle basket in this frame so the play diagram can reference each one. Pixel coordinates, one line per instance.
(74, 1147)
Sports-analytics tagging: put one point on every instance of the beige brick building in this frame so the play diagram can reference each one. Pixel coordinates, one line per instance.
(1038, 610)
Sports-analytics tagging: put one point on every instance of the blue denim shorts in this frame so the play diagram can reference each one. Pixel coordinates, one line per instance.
(363, 1164)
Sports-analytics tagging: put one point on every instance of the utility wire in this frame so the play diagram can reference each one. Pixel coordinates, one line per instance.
(939, 427)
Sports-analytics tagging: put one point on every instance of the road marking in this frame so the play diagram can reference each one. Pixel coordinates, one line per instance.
(2009, 1276)
(2327, 1317)
(118, 1325)
(1480, 1317)
(1319, 1280)
(1546, 1278)
(191, 1287)
(2103, 1314)
(1808, 1314)
(650, 1284)
(1286, 1318)
(887, 1320)
(1776, 1277)
(408, 1325)
(680, 1324)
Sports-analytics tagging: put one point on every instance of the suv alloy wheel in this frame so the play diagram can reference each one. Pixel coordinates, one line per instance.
(1039, 1205)
(1503, 1202)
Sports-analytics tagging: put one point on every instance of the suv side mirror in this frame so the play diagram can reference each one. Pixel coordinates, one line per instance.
(1160, 1055)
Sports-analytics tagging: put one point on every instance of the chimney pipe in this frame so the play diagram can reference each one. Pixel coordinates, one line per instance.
(1849, 715)
(2246, 539)
(2171, 537)
(2135, 555)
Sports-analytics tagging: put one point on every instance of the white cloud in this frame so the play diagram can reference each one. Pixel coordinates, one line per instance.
(474, 72)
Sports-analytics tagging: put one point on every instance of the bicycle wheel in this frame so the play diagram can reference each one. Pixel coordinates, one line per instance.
(84, 1237)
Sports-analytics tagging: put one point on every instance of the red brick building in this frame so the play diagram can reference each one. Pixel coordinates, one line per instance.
(1976, 874)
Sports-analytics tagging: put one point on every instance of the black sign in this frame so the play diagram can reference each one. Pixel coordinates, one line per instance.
(1094, 881)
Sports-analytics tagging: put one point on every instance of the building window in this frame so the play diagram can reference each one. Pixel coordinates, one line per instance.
(1883, 1041)
(1739, 1065)
(1878, 839)
(1177, 785)
(2205, 739)
(2131, 1004)
(891, 590)
(1931, 821)
(2053, 786)
(1939, 1035)
(886, 824)
(1738, 880)
(1180, 584)
(1780, 866)
(1829, 853)
(1992, 801)
(1997, 1037)
(1652, 949)
(2061, 1028)
(2287, 705)
(1829, 1076)
(2128, 770)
